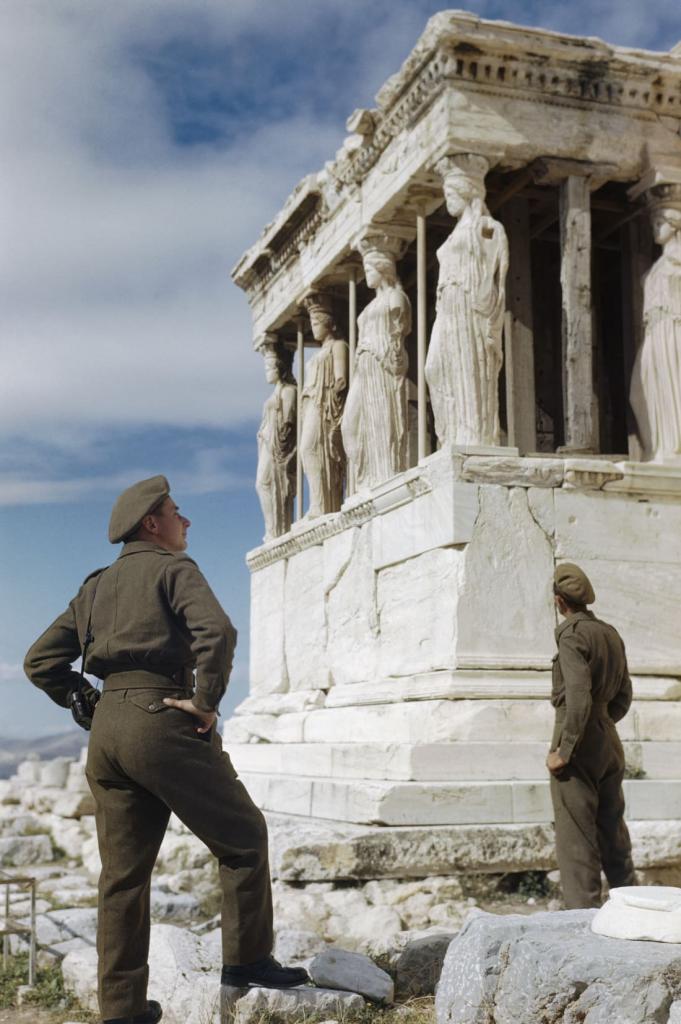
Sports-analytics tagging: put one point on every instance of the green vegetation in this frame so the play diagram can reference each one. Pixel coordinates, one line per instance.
(48, 993)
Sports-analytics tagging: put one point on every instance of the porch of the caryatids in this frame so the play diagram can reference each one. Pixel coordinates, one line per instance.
(374, 425)
(275, 481)
(466, 348)
(655, 393)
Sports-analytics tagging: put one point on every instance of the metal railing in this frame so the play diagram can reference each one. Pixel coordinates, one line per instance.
(11, 926)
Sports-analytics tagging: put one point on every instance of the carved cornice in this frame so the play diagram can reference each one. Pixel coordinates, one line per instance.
(466, 54)
(316, 531)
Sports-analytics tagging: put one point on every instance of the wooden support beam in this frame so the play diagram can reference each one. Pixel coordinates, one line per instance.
(577, 328)
(520, 390)
(496, 200)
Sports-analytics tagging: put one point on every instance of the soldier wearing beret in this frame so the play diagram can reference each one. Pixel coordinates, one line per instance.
(591, 690)
(154, 748)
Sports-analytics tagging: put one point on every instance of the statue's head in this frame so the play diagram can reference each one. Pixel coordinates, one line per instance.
(320, 311)
(463, 180)
(278, 362)
(380, 252)
(664, 202)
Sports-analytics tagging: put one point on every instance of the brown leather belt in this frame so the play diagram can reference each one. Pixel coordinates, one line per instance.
(140, 679)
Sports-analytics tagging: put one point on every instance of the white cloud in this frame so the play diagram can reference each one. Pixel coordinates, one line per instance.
(117, 306)
(117, 303)
(10, 672)
(209, 471)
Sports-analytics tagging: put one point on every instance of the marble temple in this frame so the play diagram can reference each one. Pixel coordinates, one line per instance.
(471, 322)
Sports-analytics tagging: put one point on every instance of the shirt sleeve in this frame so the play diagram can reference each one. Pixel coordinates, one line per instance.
(213, 637)
(621, 702)
(574, 666)
(48, 662)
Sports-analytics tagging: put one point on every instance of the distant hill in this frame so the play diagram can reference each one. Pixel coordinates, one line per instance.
(61, 744)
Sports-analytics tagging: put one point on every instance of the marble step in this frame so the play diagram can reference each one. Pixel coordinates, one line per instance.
(439, 803)
(442, 721)
(311, 849)
(469, 685)
(438, 762)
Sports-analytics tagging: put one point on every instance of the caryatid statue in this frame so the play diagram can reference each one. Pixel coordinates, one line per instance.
(323, 400)
(375, 419)
(275, 480)
(656, 381)
(466, 348)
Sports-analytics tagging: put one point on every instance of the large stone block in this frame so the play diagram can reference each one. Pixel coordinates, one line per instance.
(597, 525)
(387, 803)
(268, 672)
(642, 600)
(184, 976)
(441, 518)
(505, 609)
(19, 851)
(405, 761)
(653, 720)
(520, 970)
(317, 850)
(350, 606)
(417, 613)
(296, 1005)
(433, 721)
(304, 620)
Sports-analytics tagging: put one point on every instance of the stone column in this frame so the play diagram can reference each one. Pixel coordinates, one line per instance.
(300, 354)
(352, 346)
(322, 401)
(421, 339)
(275, 480)
(465, 353)
(575, 279)
(374, 425)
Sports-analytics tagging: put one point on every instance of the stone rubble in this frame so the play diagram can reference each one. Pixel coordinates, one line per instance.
(294, 1004)
(339, 969)
(551, 967)
(398, 929)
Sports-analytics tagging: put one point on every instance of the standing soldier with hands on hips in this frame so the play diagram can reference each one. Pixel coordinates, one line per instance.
(150, 619)
(591, 690)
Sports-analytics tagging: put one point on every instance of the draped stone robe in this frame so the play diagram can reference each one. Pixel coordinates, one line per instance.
(375, 420)
(465, 352)
(322, 449)
(656, 397)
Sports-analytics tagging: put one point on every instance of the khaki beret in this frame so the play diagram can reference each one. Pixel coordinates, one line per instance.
(134, 504)
(573, 584)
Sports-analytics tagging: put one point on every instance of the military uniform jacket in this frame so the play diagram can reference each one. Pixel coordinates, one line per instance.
(153, 610)
(590, 674)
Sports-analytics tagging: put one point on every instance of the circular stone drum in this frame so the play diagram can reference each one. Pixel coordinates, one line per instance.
(651, 912)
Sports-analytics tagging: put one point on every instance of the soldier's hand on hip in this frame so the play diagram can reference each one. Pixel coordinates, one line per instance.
(206, 717)
(555, 763)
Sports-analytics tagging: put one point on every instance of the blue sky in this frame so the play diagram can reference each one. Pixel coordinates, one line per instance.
(145, 143)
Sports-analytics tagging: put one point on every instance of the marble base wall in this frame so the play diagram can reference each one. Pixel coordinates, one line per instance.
(401, 648)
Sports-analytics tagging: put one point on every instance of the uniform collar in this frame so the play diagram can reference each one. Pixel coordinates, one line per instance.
(134, 547)
(577, 617)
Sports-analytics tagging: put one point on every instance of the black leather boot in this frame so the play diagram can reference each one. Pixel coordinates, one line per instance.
(267, 973)
(151, 1015)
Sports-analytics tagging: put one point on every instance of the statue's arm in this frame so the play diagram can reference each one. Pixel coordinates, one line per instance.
(340, 365)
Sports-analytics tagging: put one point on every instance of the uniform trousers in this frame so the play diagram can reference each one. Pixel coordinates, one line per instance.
(588, 805)
(145, 760)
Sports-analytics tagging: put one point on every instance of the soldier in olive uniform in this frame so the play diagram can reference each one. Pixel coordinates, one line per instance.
(591, 691)
(154, 747)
